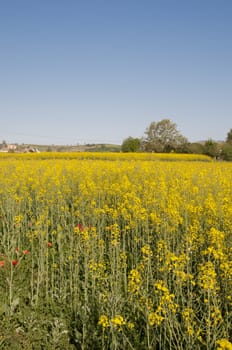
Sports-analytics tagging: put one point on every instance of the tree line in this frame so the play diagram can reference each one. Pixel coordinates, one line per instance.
(164, 137)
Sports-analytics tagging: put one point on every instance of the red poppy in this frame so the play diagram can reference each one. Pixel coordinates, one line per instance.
(15, 262)
(2, 263)
(17, 249)
(80, 226)
(49, 244)
(25, 252)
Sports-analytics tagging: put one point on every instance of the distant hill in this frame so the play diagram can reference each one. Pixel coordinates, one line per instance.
(67, 148)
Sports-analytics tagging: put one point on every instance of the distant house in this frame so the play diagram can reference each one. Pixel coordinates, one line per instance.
(11, 147)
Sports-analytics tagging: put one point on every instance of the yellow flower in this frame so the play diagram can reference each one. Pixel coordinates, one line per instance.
(155, 318)
(130, 325)
(135, 281)
(224, 344)
(104, 321)
(159, 285)
(207, 277)
(117, 321)
(147, 252)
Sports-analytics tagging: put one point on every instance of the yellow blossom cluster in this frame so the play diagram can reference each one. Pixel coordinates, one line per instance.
(224, 344)
(117, 321)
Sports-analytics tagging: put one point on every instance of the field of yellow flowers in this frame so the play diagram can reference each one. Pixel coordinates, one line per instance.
(115, 252)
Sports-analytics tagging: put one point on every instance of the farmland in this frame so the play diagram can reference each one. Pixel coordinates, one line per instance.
(115, 251)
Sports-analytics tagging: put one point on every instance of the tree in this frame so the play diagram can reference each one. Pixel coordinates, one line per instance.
(163, 136)
(3, 144)
(226, 153)
(211, 148)
(229, 136)
(131, 145)
(192, 148)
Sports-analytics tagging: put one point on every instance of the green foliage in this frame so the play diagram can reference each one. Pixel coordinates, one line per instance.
(34, 329)
(211, 148)
(229, 137)
(163, 136)
(191, 148)
(226, 153)
(196, 148)
(131, 145)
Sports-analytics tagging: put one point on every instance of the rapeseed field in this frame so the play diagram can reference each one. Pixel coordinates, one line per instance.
(114, 251)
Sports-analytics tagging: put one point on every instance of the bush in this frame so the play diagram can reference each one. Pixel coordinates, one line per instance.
(131, 145)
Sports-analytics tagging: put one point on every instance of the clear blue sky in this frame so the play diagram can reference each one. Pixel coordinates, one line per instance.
(86, 71)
